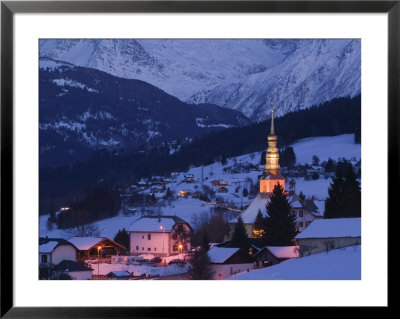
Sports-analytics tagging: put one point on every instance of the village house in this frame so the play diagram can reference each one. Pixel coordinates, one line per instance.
(52, 251)
(75, 270)
(189, 178)
(272, 255)
(119, 275)
(96, 247)
(159, 236)
(327, 234)
(226, 262)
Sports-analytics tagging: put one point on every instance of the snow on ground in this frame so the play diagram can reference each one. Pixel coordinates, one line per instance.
(317, 188)
(104, 268)
(325, 147)
(338, 264)
(188, 208)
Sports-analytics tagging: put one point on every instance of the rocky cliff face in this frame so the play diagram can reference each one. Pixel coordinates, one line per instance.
(245, 75)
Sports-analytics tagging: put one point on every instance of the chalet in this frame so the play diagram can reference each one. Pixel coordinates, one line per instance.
(272, 255)
(219, 183)
(75, 270)
(222, 190)
(305, 211)
(184, 193)
(189, 178)
(52, 251)
(226, 262)
(326, 234)
(315, 171)
(96, 247)
(197, 194)
(159, 236)
(119, 275)
(174, 175)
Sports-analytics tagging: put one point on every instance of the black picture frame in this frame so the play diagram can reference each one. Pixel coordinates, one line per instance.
(9, 8)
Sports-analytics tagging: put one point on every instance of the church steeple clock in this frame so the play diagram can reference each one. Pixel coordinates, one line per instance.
(271, 175)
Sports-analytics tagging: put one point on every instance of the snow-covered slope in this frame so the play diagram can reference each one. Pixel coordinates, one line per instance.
(326, 147)
(243, 177)
(245, 75)
(338, 264)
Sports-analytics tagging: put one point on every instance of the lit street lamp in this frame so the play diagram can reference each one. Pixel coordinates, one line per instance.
(165, 262)
(98, 261)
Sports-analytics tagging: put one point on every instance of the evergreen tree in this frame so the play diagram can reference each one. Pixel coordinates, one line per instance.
(199, 268)
(239, 237)
(259, 225)
(330, 165)
(281, 224)
(52, 217)
(122, 237)
(205, 242)
(262, 159)
(315, 160)
(287, 157)
(245, 192)
(344, 193)
(168, 194)
(223, 159)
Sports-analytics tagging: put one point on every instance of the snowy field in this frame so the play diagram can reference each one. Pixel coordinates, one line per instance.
(103, 269)
(190, 208)
(338, 264)
(324, 147)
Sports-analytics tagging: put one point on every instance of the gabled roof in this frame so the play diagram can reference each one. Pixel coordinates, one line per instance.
(218, 255)
(250, 213)
(69, 265)
(284, 251)
(47, 245)
(85, 243)
(156, 224)
(119, 273)
(332, 228)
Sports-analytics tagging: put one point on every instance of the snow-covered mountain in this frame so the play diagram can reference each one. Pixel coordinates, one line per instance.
(242, 74)
(83, 109)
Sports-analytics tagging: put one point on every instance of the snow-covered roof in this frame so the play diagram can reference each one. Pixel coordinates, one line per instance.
(337, 264)
(219, 255)
(296, 204)
(84, 243)
(120, 273)
(250, 213)
(284, 251)
(48, 247)
(328, 228)
(155, 224)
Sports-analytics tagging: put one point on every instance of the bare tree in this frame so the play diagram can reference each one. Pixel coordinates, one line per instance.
(329, 245)
(86, 231)
(306, 249)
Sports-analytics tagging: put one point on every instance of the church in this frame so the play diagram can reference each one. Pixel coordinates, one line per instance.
(304, 209)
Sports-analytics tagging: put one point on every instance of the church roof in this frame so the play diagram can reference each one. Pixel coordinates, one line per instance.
(250, 213)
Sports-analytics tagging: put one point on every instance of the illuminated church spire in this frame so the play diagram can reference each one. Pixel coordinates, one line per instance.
(272, 124)
(272, 175)
(272, 156)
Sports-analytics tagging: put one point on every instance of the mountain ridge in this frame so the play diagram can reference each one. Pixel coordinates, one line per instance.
(241, 74)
